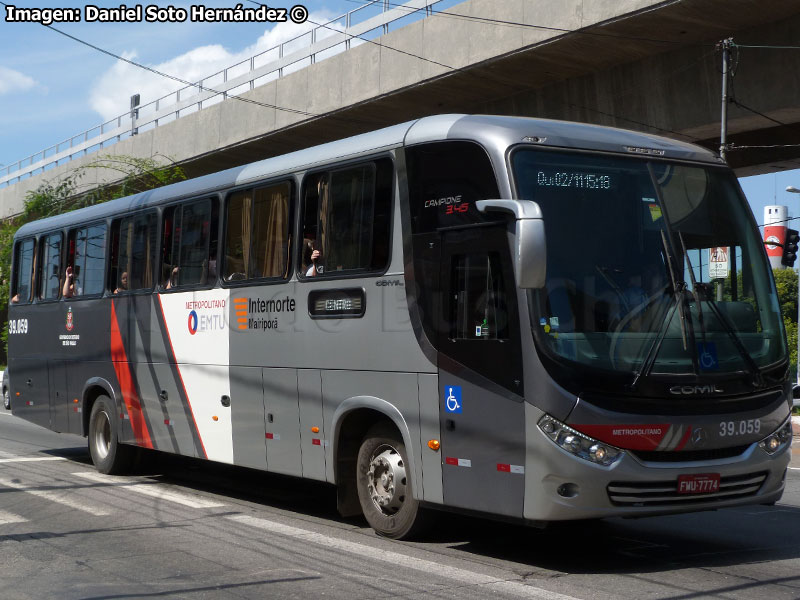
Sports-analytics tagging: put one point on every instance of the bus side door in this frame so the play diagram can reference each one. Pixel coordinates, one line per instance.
(482, 411)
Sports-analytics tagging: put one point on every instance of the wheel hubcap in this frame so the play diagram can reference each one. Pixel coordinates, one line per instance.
(102, 435)
(386, 480)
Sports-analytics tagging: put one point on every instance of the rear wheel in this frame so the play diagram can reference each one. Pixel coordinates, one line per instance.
(6, 399)
(108, 455)
(384, 486)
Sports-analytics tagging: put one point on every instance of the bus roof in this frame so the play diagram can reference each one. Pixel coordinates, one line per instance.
(491, 131)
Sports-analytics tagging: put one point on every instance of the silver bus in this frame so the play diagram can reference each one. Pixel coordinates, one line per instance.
(505, 316)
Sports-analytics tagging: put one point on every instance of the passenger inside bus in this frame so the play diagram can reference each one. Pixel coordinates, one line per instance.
(312, 258)
(69, 284)
(123, 283)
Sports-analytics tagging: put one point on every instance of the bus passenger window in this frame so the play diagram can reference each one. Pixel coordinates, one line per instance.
(346, 220)
(24, 261)
(133, 253)
(86, 256)
(478, 310)
(189, 248)
(257, 236)
(50, 280)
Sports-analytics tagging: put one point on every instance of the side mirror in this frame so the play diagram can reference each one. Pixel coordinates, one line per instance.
(530, 259)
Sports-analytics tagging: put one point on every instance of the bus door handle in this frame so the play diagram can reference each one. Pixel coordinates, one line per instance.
(270, 418)
(29, 383)
(163, 395)
(225, 400)
(449, 424)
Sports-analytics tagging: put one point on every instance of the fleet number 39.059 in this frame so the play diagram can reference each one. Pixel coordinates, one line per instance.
(18, 326)
(730, 428)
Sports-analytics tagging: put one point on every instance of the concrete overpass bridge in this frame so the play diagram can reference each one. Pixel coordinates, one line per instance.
(649, 65)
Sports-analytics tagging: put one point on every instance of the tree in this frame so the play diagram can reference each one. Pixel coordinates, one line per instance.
(786, 283)
(63, 195)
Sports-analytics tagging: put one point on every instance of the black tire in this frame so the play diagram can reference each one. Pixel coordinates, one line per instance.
(6, 399)
(383, 453)
(108, 455)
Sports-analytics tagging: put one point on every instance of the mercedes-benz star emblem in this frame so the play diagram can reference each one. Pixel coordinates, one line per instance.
(699, 437)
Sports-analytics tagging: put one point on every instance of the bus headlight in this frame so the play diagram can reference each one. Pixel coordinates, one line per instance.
(778, 440)
(579, 444)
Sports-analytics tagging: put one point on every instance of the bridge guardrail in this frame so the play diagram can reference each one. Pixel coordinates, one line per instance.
(224, 83)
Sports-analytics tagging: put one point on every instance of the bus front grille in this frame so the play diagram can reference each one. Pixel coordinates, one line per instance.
(665, 493)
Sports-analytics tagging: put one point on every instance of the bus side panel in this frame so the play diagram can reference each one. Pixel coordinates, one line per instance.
(282, 421)
(205, 387)
(312, 444)
(483, 447)
(398, 389)
(59, 401)
(247, 417)
(29, 380)
(429, 429)
(193, 326)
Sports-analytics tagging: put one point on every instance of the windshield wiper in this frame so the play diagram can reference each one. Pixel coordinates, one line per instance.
(678, 289)
(752, 367)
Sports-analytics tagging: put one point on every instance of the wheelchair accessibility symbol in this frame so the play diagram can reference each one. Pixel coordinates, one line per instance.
(707, 356)
(452, 398)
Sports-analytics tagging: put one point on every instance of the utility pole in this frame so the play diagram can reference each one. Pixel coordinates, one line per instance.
(725, 45)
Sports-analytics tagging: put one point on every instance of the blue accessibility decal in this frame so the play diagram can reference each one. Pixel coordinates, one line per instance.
(452, 398)
(707, 356)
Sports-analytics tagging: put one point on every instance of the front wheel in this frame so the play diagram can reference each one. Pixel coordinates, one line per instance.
(6, 399)
(384, 486)
(108, 455)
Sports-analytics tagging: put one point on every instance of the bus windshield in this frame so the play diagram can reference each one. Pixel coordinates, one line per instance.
(652, 267)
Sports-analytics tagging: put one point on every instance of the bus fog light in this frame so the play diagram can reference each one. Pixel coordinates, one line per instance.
(779, 440)
(568, 490)
(578, 444)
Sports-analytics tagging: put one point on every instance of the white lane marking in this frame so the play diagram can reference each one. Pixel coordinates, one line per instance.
(55, 496)
(516, 588)
(7, 517)
(152, 489)
(795, 468)
(5, 413)
(30, 459)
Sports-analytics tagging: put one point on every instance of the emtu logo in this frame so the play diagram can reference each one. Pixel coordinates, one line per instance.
(240, 306)
(193, 322)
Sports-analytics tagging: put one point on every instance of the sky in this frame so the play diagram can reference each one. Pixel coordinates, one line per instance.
(52, 87)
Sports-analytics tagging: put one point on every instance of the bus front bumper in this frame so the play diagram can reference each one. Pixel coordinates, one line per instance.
(561, 486)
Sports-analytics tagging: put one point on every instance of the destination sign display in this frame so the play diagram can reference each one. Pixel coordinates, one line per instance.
(574, 179)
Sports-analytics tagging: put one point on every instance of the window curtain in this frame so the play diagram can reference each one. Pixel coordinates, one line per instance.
(274, 259)
(247, 217)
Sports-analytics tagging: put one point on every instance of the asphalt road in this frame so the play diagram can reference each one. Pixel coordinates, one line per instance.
(184, 529)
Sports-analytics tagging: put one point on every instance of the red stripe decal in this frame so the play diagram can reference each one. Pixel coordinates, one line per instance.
(270, 436)
(129, 396)
(451, 461)
(316, 442)
(180, 376)
(504, 468)
(685, 438)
